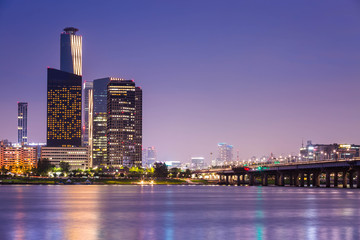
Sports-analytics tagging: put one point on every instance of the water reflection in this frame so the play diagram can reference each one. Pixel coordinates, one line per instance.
(177, 212)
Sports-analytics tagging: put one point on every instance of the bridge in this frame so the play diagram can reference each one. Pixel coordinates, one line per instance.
(328, 173)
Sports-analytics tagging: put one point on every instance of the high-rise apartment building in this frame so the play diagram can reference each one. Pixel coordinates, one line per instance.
(124, 119)
(87, 106)
(99, 143)
(225, 153)
(22, 122)
(63, 109)
(71, 51)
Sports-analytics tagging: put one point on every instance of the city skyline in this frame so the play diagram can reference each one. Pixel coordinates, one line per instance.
(220, 77)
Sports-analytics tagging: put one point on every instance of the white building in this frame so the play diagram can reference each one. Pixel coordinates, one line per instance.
(77, 157)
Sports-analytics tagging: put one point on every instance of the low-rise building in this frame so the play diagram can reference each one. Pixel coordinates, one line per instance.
(18, 158)
(77, 157)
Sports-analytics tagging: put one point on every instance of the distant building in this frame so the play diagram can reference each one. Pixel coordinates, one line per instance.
(149, 156)
(18, 158)
(197, 163)
(319, 152)
(22, 122)
(63, 109)
(124, 123)
(87, 106)
(71, 51)
(173, 164)
(225, 153)
(77, 157)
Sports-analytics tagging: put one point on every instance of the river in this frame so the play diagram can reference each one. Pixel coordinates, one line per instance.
(177, 212)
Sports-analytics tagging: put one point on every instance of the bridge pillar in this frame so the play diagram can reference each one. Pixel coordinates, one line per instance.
(328, 179)
(238, 179)
(351, 179)
(296, 179)
(227, 179)
(282, 179)
(345, 178)
(243, 178)
(316, 179)
(308, 178)
(276, 179)
(251, 179)
(336, 179)
(264, 179)
(302, 180)
(358, 178)
(291, 179)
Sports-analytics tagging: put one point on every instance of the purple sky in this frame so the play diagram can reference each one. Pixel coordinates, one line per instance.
(260, 75)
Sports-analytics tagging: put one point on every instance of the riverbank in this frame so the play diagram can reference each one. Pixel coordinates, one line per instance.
(82, 181)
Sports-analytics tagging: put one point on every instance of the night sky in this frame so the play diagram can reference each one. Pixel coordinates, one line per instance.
(260, 75)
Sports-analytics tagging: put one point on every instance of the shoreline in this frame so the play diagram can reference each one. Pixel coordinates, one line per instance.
(35, 181)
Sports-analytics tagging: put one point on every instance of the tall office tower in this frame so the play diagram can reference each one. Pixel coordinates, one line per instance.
(87, 91)
(225, 153)
(99, 143)
(63, 109)
(71, 51)
(22, 122)
(123, 126)
(138, 126)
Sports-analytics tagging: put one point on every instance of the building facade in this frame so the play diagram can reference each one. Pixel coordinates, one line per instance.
(71, 51)
(87, 106)
(197, 163)
(77, 157)
(99, 143)
(22, 122)
(124, 110)
(149, 157)
(18, 158)
(225, 153)
(63, 109)
(323, 152)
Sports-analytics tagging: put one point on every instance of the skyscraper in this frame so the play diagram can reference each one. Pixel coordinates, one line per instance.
(124, 108)
(63, 109)
(22, 122)
(71, 51)
(99, 143)
(88, 104)
(225, 153)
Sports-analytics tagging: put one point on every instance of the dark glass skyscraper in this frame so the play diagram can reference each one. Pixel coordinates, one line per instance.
(63, 109)
(71, 51)
(99, 146)
(124, 128)
(22, 122)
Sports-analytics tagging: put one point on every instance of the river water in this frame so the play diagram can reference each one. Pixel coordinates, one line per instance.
(177, 212)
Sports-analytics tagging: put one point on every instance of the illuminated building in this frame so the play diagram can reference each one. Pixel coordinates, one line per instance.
(63, 109)
(225, 153)
(99, 145)
(71, 51)
(124, 136)
(319, 152)
(77, 157)
(18, 158)
(87, 105)
(22, 122)
(149, 156)
(197, 163)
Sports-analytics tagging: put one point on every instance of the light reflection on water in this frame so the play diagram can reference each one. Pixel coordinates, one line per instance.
(177, 212)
